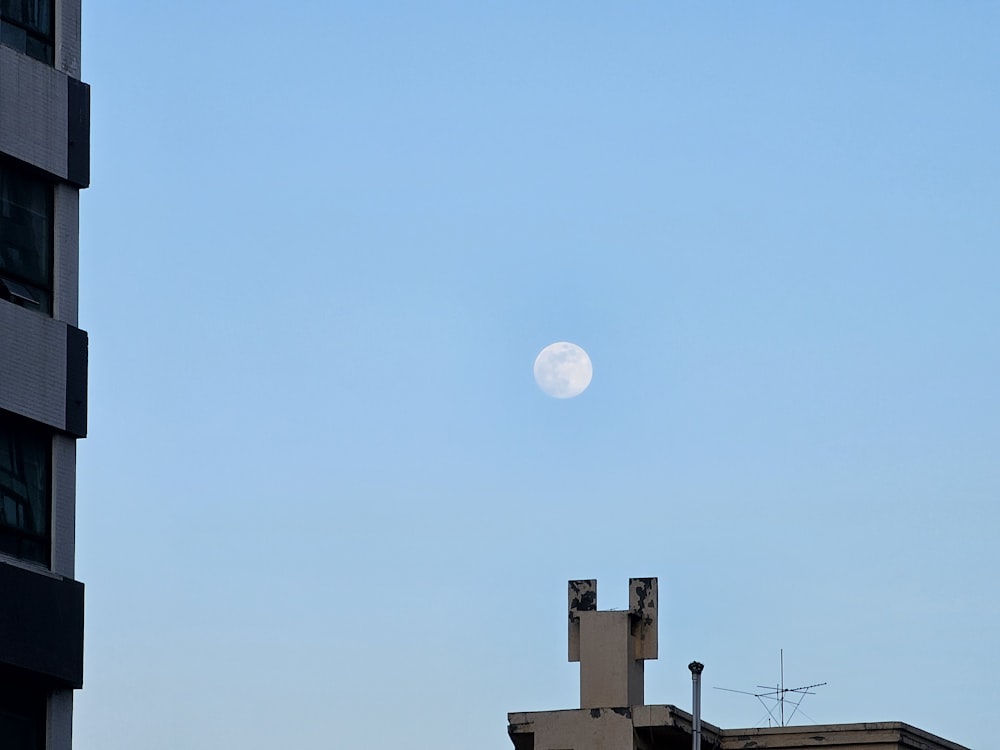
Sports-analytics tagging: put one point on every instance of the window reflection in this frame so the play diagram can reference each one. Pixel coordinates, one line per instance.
(26, 25)
(24, 491)
(25, 240)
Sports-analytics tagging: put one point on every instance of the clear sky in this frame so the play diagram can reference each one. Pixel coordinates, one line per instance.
(322, 502)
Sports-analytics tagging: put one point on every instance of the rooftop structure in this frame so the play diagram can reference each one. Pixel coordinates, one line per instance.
(612, 648)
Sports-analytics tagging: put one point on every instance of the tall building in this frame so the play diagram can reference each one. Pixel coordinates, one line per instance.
(611, 648)
(44, 163)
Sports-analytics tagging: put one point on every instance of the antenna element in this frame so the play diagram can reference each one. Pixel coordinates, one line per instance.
(773, 700)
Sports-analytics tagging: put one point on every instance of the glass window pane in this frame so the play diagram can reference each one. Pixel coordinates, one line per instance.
(26, 234)
(39, 16)
(38, 49)
(13, 36)
(27, 26)
(34, 15)
(22, 712)
(24, 492)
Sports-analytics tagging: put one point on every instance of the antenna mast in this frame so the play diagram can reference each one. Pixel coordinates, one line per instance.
(774, 700)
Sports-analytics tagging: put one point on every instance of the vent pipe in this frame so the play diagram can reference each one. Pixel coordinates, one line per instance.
(696, 670)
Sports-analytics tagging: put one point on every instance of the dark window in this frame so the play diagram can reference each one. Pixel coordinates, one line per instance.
(26, 25)
(25, 239)
(25, 487)
(22, 711)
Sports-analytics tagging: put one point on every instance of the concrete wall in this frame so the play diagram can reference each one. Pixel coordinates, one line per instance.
(33, 112)
(43, 370)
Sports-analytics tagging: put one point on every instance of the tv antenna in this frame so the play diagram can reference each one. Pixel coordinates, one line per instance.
(773, 700)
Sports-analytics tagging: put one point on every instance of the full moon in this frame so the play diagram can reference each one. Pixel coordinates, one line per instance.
(563, 370)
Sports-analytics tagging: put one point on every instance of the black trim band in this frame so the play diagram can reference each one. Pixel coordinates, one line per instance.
(76, 382)
(78, 132)
(41, 625)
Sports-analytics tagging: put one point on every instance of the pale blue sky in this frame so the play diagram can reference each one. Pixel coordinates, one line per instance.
(323, 504)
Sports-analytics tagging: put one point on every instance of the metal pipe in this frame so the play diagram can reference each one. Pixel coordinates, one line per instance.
(696, 669)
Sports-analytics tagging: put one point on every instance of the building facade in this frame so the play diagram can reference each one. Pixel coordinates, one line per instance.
(44, 163)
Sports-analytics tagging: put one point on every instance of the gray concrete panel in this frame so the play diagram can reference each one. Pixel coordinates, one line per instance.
(59, 721)
(66, 274)
(33, 365)
(63, 505)
(68, 34)
(33, 112)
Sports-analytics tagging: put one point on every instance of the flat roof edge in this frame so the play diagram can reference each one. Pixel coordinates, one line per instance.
(857, 733)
